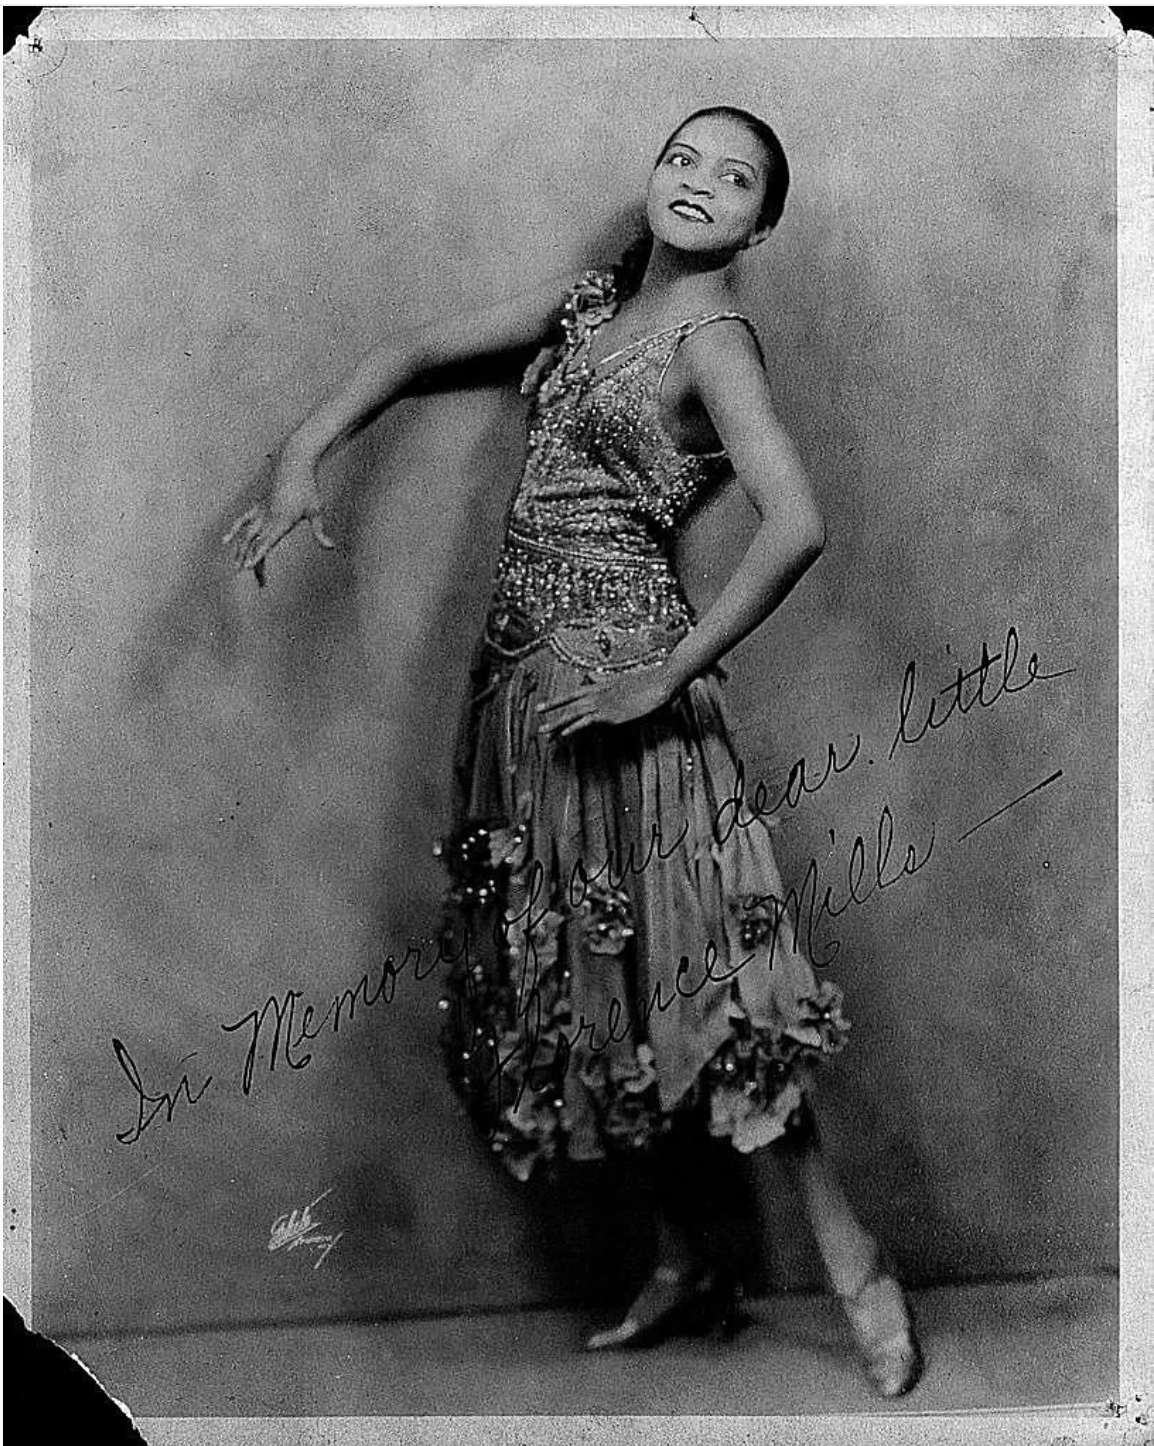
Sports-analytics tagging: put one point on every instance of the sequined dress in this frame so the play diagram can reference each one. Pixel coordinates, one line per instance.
(616, 953)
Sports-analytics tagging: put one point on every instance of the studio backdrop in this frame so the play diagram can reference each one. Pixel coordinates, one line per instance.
(236, 792)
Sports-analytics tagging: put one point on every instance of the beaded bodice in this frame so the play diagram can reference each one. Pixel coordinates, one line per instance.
(586, 565)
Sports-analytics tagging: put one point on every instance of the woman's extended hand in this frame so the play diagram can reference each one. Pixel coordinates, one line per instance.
(609, 702)
(294, 499)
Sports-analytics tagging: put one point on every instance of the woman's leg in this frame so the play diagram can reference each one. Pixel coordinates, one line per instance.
(873, 1300)
(848, 1251)
(674, 1243)
(676, 1175)
(678, 1292)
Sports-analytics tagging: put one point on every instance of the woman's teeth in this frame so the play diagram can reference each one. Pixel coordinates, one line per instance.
(690, 211)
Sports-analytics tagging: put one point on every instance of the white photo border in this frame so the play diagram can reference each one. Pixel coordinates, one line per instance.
(1126, 1420)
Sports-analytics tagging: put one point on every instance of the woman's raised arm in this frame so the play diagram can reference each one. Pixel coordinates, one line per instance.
(449, 352)
(457, 350)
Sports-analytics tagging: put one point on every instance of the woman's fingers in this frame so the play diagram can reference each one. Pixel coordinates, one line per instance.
(587, 720)
(584, 692)
(242, 521)
(241, 535)
(555, 703)
(579, 713)
(569, 712)
(563, 711)
(251, 542)
(238, 541)
(263, 539)
(256, 532)
(244, 545)
(319, 532)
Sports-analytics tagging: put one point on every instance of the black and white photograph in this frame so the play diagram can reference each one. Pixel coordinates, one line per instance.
(577, 696)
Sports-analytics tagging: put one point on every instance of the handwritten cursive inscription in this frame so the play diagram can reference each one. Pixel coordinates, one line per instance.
(870, 869)
(148, 1107)
(290, 1033)
(284, 1027)
(797, 787)
(961, 698)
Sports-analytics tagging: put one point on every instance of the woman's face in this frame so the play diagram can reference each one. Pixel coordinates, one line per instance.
(706, 190)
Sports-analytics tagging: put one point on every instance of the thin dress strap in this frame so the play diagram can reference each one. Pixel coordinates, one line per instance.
(687, 329)
(681, 329)
(691, 326)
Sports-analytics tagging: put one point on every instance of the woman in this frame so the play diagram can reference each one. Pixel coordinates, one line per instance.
(624, 978)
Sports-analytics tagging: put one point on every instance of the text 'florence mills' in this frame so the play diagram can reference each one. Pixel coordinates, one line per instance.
(287, 1025)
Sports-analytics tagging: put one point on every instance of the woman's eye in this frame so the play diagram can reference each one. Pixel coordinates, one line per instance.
(738, 179)
(678, 156)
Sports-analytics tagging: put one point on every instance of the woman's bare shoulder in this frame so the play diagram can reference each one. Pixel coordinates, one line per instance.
(720, 355)
(722, 341)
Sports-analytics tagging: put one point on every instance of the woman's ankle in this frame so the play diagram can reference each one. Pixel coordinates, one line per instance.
(851, 1274)
(675, 1250)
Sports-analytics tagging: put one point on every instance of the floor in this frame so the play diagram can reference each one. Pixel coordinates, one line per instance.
(990, 1347)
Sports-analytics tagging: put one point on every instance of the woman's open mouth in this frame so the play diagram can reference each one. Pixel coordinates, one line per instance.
(691, 211)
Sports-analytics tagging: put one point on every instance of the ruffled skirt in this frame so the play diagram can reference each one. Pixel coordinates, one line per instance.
(617, 950)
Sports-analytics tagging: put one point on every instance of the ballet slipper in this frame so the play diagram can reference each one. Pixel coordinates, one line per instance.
(887, 1340)
(675, 1300)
